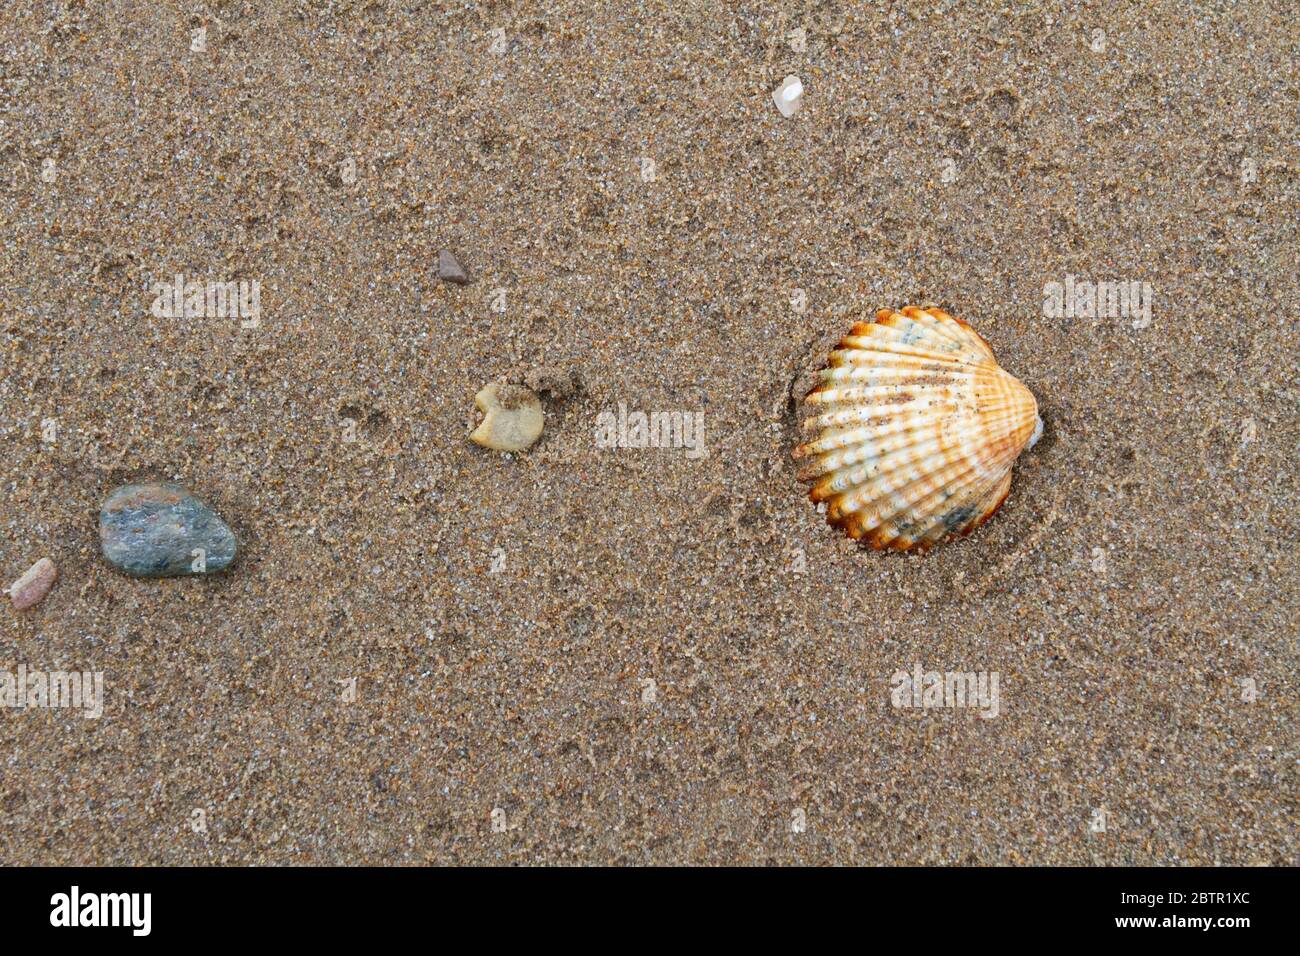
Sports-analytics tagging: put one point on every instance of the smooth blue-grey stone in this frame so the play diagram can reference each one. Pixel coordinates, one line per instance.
(152, 531)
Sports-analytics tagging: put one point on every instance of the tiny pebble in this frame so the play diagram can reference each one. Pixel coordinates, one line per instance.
(450, 269)
(31, 588)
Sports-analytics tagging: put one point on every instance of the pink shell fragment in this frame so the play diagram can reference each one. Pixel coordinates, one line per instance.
(31, 588)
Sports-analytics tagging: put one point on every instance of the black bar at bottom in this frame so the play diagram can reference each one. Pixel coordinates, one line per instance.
(337, 906)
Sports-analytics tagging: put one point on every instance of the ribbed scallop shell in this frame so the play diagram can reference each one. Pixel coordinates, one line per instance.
(916, 428)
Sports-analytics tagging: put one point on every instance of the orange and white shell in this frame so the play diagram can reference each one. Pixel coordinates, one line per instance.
(915, 430)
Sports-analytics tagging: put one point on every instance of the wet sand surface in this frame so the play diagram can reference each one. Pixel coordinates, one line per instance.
(428, 652)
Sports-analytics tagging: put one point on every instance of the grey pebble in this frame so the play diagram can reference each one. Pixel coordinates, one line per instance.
(153, 530)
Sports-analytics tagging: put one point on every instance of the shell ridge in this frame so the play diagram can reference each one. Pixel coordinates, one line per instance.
(900, 496)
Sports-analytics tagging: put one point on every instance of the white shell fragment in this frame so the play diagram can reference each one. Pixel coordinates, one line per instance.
(31, 588)
(512, 417)
(789, 95)
(913, 430)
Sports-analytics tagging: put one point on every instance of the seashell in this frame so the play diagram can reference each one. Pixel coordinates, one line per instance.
(512, 418)
(788, 97)
(916, 428)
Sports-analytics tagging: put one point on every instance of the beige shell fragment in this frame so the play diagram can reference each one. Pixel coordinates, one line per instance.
(31, 588)
(914, 430)
(512, 417)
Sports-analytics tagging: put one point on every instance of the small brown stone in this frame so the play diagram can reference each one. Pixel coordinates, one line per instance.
(450, 269)
(31, 588)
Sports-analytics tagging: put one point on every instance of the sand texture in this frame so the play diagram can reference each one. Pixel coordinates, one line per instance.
(429, 652)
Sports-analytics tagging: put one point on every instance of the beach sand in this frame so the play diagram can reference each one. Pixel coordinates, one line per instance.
(428, 652)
